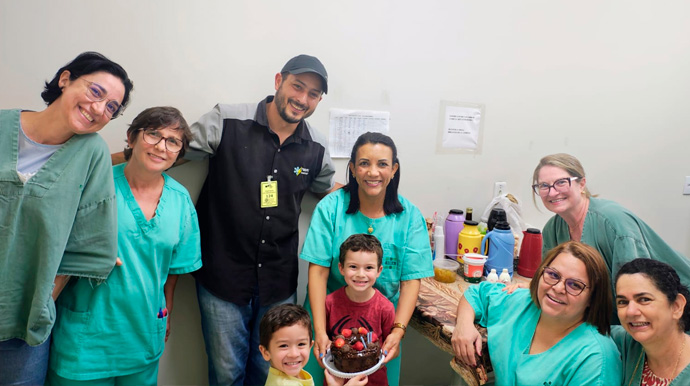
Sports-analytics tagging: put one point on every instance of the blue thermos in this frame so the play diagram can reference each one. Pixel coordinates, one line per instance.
(499, 245)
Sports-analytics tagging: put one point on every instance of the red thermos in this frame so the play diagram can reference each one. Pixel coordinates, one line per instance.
(530, 252)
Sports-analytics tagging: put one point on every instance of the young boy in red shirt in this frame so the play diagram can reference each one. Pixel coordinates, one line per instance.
(358, 303)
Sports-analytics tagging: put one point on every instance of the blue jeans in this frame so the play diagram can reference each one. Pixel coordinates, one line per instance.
(21, 364)
(231, 335)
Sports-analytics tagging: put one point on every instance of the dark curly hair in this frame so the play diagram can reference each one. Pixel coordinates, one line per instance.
(664, 278)
(361, 242)
(282, 315)
(84, 64)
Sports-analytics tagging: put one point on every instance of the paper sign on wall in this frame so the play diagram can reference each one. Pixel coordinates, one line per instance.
(460, 126)
(347, 125)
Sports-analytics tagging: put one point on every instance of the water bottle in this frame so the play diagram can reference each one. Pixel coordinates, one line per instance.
(439, 243)
(453, 226)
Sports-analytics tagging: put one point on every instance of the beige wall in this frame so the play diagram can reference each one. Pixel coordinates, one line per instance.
(606, 81)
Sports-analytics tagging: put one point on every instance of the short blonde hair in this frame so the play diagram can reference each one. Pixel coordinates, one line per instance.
(564, 161)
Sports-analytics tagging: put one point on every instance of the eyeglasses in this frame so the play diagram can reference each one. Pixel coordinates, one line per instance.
(572, 286)
(561, 185)
(153, 137)
(96, 93)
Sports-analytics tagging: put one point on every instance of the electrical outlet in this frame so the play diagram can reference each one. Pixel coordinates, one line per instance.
(499, 188)
(686, 187)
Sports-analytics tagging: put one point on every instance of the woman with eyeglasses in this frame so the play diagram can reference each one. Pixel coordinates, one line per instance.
(653, 308)
(57, 205)
(115, 333)
(618, 235)
(553, 334)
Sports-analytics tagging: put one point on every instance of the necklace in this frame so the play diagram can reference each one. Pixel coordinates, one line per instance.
(371, 228)
(675, 368)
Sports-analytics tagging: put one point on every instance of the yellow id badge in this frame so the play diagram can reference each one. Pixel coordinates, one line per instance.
(269, 194)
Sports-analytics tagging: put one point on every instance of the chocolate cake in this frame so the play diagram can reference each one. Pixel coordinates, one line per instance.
(355, 350)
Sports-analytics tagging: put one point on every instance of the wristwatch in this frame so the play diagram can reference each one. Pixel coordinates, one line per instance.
(400, 326)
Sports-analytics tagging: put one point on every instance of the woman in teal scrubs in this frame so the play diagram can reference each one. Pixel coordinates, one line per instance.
(114, 333)
(57, 205)
(369, 203)
(654, 312)
(555, 333)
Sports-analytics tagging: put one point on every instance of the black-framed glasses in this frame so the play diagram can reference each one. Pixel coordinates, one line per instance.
(96, 93)
(153, 137)
(572, 286)
(561, 185)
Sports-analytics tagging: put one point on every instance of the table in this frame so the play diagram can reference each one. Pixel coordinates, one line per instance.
(434, 317)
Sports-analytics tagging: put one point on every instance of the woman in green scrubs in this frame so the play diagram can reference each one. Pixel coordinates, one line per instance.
(57, 205)
(653, 309)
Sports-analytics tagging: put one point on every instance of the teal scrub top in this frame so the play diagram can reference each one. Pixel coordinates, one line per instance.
(583, 357)
(620, 237)
(632, 354)
(62, 221)
(115, 328)
(403, 236)
(406, 253)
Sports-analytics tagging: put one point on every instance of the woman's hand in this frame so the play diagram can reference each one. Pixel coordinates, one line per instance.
(332, 380)
(391, 347)
(466, 342)
(512, 287)
(321, 345)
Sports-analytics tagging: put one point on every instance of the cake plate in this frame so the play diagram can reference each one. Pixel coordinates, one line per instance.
(328, 362)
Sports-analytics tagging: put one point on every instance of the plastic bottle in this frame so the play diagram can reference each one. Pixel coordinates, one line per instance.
(492, 277)
(468, 214)
(439, 243)
(453, 226)
(505, 276)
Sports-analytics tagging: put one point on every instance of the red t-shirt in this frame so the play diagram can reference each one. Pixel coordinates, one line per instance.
(376, 314)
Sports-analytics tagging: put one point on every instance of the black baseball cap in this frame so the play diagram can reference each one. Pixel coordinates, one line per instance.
(305, 63)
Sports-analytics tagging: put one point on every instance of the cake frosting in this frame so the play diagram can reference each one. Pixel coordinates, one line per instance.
(355, 350)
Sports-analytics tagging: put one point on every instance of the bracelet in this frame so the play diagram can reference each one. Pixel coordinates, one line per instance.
(400, 326)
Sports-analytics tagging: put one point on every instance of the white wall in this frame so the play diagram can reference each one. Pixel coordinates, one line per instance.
(607, 81)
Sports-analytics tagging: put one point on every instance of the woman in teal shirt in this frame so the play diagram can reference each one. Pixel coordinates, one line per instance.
(57, 205)
(653, 309)
(553, 334)
(114, 333)
(369, 203)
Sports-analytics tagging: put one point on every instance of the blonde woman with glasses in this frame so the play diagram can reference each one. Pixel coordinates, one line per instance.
(615, 232)
(57, 205)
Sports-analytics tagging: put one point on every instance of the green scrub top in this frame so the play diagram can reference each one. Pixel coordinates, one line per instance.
(115, 328)
(620, 237)
(406, 253)
(633, 359)
(583, 357)
(62, 221)
(403, 236)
